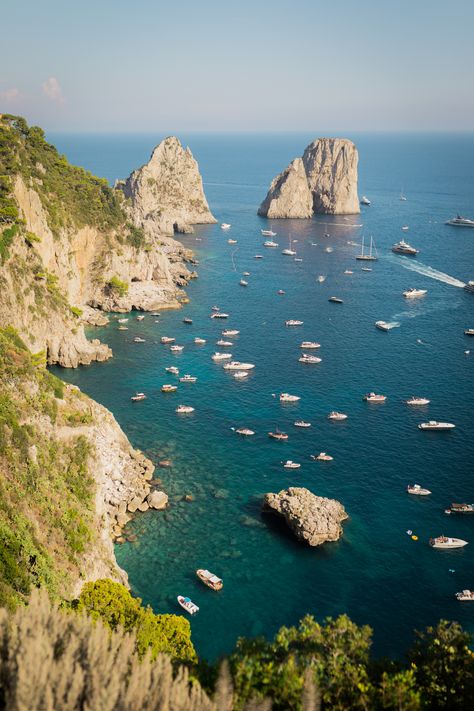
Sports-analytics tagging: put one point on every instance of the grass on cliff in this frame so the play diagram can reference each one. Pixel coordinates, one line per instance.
(46, 491)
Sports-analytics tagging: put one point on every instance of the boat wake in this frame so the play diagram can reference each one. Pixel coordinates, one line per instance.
(427, 271)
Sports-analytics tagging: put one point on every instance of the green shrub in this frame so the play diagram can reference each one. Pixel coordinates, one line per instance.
(117, 286)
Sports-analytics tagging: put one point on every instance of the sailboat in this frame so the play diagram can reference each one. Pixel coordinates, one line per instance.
(289, 251)
(368, 257)
(402, 196)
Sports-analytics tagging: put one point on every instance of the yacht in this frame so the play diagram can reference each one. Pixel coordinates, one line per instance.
(337, 416)
(230, 332)
(469, 332)
(413, 293)
(270, 243)
(244, 431)
(268, 233)
(322, 457)
(138, 339)
(219, 314)
(188, 379)
(371, 256)
(307, 358)
(242, 282)
(417, 490)
(460, 221)
(335, 300)
(372, 397)
(200, 341)
(280, 436)
(209, 579)
(286, 397)
(447, 542)
(168, 388)
(221, 356)
(465, 595)
(240, 374)
(469, 286)
(434, 425)
(186, 602)
(309, 344)
(460, 509)
(289, 464)
(383, 325)
(167, 339)
(184, 409)
(227, 344)
(237, 365)
(176, 349)
(302, 424)
(225, 226)
(137, 397)
(172, 369)
(403, 247)
(417, 401)
(289, 251)
(364, 200)
(293, 322)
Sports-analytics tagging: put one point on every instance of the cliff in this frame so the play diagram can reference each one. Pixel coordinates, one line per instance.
(324, 181)
(166, 194)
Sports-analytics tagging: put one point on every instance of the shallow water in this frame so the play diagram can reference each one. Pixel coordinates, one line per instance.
(375, 573)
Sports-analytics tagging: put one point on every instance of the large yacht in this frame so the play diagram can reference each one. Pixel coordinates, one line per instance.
(460, 221)
(403, 247)
(371, 256)
(434, 425)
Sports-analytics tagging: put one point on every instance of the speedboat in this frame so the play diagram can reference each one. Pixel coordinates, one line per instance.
(460, 221)
(434, 425)
(366, 269)
(403, 247)
(258, 256)
(209, 579)
(469, 332)
(231, 241)
(168, 388)
(122, 320)
(417, 490)
(188, 320)
(289, 464)
(140, 318)
(200, 341)
(286, 397)
(280, 291)
(364, 200)
(412, 293)
(417, 401)
(270, 243)
(167, 339)
(221, 356)
(244, 431)
(321, 278)
(405, 228)
(447, 542)
(230, 332)
(307, 345)
(335, 300)
(240, 374)
(184, 409)
(172, 369)
(465, 595)
(307, 358)
(348, 271)
(280, 436)
(302, 424)
(372, 397)
(237, 365)
(337, 416)
(137, 397)
(242, 282)
(383, 325)
(221, 342)
(268, 233)
(322, 457)
(176, 349)
(225, 226)
(187, 603)
(219, 314)
(469, 286)
(293, 322)
(138, 339)
(246, 273)
(188, 379)
(460, 509)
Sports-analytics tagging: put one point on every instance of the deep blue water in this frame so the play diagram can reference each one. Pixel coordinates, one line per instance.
(375, 573)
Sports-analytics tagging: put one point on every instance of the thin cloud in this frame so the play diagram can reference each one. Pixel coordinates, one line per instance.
(10, 95)
(52, 89)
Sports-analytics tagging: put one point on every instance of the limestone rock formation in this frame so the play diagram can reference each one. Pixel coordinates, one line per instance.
(157, 500)
(324, 181)
(313, 519)
(166, 194)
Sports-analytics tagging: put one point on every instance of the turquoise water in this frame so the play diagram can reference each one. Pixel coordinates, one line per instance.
(375, 573)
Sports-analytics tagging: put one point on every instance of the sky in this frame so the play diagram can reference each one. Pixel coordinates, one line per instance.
(137, 66)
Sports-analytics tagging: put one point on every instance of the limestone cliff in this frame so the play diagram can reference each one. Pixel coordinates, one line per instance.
(324, 181)
(166, 194)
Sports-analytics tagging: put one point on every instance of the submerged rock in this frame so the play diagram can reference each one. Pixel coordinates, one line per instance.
(313, 519)
(157, 500)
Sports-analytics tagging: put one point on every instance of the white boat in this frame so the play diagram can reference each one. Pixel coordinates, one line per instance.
(242, 282)
(405, 228)
(167, 339)
(258, 256)
(268, 233)
(286, 397)
(240, 374)
(337, 416)
(465, 595)
(172, 369)
(460, 221)
(289, 464)
(384, 325)
(244, 431)
(403, 247)
(246, 273)
(371, 256)
(219, 314)
(322, 457)
(307, 358)
(372, 397)
(137, 397)
(122, 320)
(209, 579)
(237, 365)
(348, 271)
(184, 409)
(138, 339)
(230, 332)
(402, 196)
(447, 542)
(122, 328)
(329, 250)
(188, 379)
(281, 292)
(434, 425)
(417, 490)
(297, 259)
(270, 243)
(302, 424)
(215, 308)
(188, 604)
(321, 278)
(469, 286)
(167, 388)
(176, 349)
(293, 322)
(335, 300)
(221, 356)
(366, 269)
(231, 241)
(413, 293)
(289, 252)
(469, 332)
(364, 200)
(225, 226)
(307, 345)
(417, 401)
(200, 341)
(140, 318)
(221, 342)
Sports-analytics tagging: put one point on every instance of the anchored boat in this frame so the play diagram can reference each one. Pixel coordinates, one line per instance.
(188, 604)
(209, 579)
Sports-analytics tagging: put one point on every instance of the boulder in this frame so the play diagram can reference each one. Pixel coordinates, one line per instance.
(313, 519)
(157, 500)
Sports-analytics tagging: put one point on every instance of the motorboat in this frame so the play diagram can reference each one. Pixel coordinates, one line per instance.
(366, 269)
(465, 596)
(335, 300)
(215, 308)
(168, 388)
(405, 228)
(221, 356)
(302, 424)
(469, 332)
(209, 579)
(322, 457)
(308, 345)
(434, 425)
(199, 341)
(417, 490)
(403, 247)
(122, 320)
(270, 243)
(321, 278)
(167, 339)
(225, 226)
(364, 200)
(307, 358)
(258, 256)
(329, 250)
(137, 397)
(176, 349)
(268, 233)
(337, 416)
(371, 256)
(447, 542)
(172, 369)
(297, 259)
(138, 339)
(246, 273)
(244, 431)
(188, 379)
(460, 221)
(219, 314)
(187, 320)
(237, 365)
(184, 409)
(469, 286)
(140, 318)
(221, 342)
(280, 291)
(348, 271)
(242, 282)
(240, 374)
(230, 332)
(289, 464)
(293, 322)
(417, 401)
(384, 325)
(280, 436)
(187, 603)
(231, 241)
(413, 293)
(286, 397)
(460, 509)
(122, 328)
(372, 397)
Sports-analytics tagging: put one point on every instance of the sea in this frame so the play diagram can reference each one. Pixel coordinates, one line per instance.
(377, 573)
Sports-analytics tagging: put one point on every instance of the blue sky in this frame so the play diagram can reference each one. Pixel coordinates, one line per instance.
(260, 65)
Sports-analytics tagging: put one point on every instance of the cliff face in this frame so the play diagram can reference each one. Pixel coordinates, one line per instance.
(324, 181)
(166, 194)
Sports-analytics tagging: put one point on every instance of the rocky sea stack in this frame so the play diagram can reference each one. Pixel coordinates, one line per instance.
(323, 181)
(313, 519)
